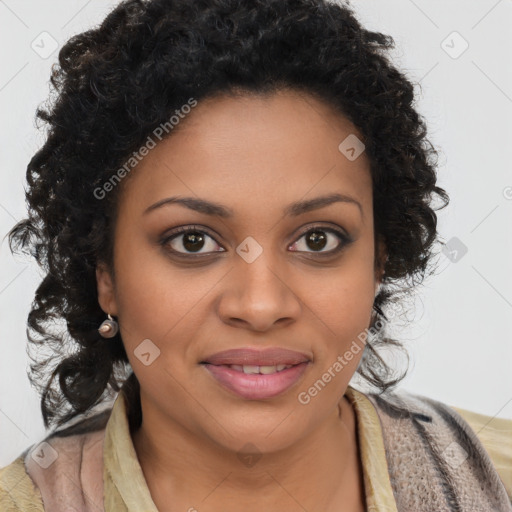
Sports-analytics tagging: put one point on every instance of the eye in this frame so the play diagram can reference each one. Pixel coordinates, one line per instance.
(190, 240)
(319, 238)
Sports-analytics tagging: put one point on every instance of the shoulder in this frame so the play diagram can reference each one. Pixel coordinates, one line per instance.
(54, 466)
(496, 436)
(432, 438)
(17, 490)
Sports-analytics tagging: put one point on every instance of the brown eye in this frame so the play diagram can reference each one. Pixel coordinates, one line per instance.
(318, 239)
(193, 241)
(188, 240)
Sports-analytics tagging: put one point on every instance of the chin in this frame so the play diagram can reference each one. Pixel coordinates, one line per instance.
(247, 433)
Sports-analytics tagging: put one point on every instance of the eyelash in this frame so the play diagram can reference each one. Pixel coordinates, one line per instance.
(344, 240)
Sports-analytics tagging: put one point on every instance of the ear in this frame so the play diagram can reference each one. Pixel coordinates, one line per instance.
(106, 289)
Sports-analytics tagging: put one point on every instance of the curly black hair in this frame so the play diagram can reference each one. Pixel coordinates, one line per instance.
(117, 83)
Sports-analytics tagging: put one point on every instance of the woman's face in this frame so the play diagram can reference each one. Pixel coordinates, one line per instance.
(252, 279)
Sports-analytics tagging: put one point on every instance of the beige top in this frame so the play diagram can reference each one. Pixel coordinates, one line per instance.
(125, 488)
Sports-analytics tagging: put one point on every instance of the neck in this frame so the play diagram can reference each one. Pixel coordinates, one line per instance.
(188, 470)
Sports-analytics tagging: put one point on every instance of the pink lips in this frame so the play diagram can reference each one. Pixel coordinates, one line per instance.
(257, 357)
(257, 386)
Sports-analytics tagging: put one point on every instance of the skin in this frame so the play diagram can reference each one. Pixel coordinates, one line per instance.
(255, 155)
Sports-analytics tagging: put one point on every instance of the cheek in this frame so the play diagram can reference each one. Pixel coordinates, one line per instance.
(340, 305)
(340, 308)
(155, 298)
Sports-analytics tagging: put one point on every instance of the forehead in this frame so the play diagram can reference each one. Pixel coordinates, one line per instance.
(251, 148)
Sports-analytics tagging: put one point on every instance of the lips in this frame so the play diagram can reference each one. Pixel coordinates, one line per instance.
(256, 374)
(257, 357)
(256, 386)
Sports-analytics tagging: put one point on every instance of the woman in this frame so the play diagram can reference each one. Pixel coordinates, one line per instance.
(230, 197)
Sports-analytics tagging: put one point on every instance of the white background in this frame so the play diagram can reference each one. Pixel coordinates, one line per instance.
(459, 339)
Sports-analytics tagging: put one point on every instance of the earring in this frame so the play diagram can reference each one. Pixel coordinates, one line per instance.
(109, 328)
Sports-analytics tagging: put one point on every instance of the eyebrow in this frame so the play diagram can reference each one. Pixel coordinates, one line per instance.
(216, 209)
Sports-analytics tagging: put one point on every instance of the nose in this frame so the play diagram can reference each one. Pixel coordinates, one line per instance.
(258, 295)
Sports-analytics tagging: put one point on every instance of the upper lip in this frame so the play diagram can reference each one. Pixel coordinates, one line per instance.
(257, 357)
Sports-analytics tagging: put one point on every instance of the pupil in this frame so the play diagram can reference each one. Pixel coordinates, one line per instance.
(318, 240)
(192, 238)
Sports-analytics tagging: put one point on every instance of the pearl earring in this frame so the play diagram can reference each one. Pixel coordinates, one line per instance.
(109, 328)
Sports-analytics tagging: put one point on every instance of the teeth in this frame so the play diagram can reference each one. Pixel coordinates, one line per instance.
(251, 369)
(268, 369)
(264, 370)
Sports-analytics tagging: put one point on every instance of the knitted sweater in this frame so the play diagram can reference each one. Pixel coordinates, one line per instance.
(418, 455)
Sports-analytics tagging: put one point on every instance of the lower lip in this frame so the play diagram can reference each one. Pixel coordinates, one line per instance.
(257, 386)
